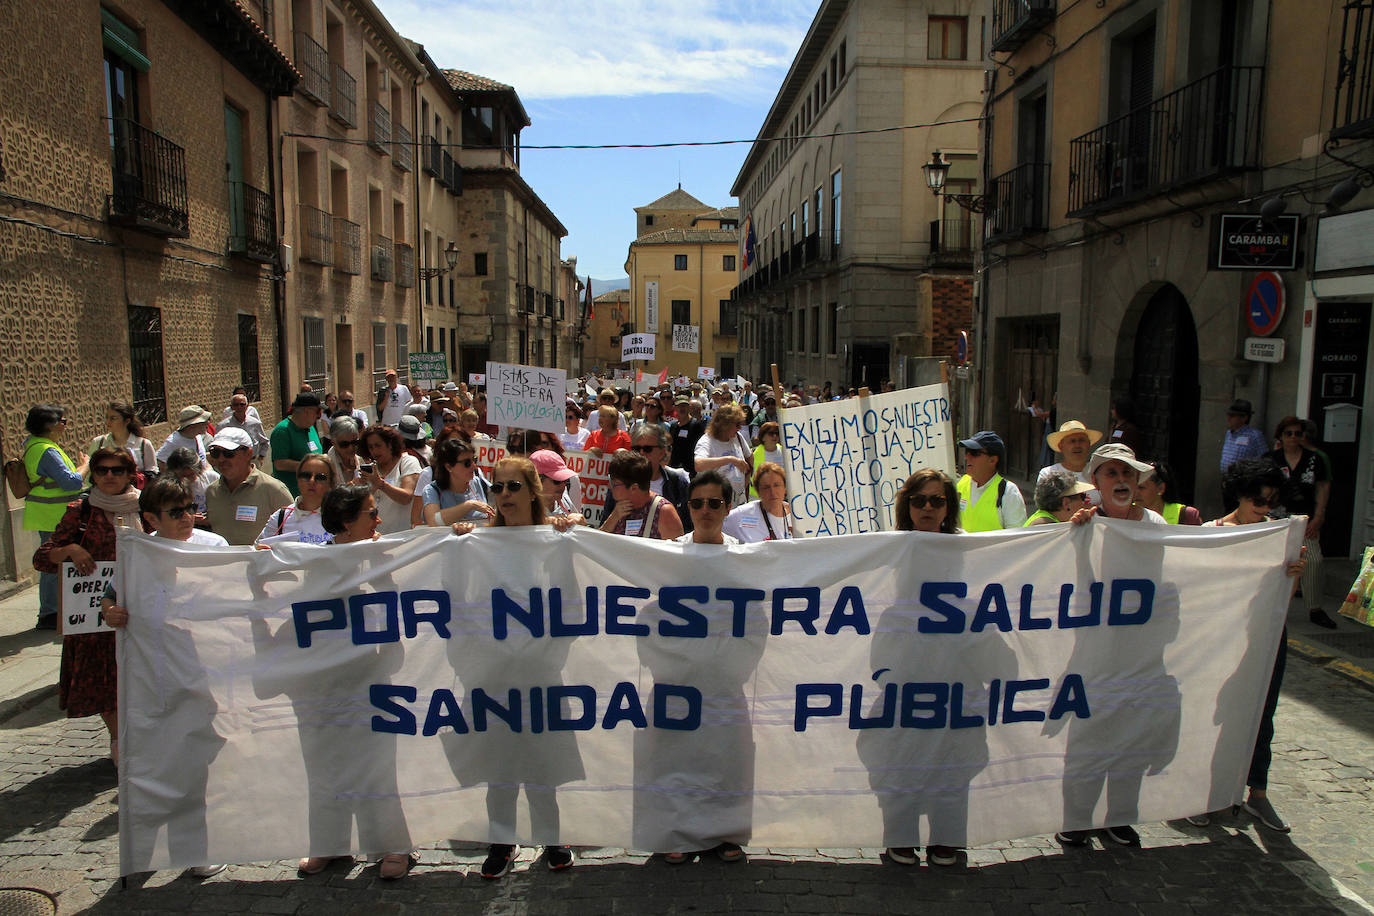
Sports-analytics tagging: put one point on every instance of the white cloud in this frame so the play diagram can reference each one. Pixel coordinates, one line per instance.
(551, 49)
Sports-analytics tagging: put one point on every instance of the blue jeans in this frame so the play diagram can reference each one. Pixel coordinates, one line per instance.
(47, 588)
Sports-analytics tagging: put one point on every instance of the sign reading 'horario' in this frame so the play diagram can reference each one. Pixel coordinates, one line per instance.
(526, 397)
(846, 460)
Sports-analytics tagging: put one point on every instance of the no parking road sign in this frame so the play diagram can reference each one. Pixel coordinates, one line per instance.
(1264, 304)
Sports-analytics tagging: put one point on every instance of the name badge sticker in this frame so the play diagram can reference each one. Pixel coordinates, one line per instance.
(245, 513)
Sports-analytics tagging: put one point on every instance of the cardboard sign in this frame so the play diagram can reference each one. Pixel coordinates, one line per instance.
(527, 397)
(686, 338)
(706, 372)
(81, 598)
(429, 367)
(477, 378)
(637, 346)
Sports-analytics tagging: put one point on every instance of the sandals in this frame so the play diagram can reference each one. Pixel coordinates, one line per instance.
(677, 858)
(729, 853)
(396, 865)
(316, 864)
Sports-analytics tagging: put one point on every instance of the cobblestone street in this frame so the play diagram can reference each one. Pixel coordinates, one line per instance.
(58, 832)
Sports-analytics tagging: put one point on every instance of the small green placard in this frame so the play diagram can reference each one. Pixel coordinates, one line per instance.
(431, 367)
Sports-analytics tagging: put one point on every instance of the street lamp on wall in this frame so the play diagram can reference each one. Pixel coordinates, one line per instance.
(937, 170)
(450, 258)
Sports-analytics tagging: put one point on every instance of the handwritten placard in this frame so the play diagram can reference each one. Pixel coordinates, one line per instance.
(527, 397)
(429, 367)
(637, 346)
(686, 338)
(706, 372)
(477, 378)
(846, 460)
(81, 598)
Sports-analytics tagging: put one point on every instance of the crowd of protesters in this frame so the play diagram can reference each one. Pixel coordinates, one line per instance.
(694, 464)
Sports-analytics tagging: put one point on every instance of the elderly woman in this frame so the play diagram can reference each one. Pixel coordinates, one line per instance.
(303, 521)
(87, 685)
(1058, 495)
(608, 437)
(638, 511)
(1155, 490)
(725, 449)
(653, 442)
(54, 481)
(457, 493)
(123, 430)
(1256, 485)
(391, 473)
(346, 436)
(1307, 491)
(765, 518)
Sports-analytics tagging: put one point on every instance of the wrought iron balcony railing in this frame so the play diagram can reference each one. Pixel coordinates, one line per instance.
(1205, 129)
(316, 235)
(343, 106)
(1014, 22)
(313, 62)
(402, 148)
(405, 265)
(430, 159)
(1354, 114)
(1017, 201)
(149, 180)
(252, 231)
(951, 239)
(348, 246)
(453, 175)
(383, 265)
(379, 128)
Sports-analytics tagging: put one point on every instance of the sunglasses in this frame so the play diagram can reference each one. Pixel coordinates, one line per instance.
(117, 470)
(1292, 433)
(973, 452)
(317, 478)
(920, 501)
(1263, 502)
(645, 449)
(502, 486)
(342, 443)
(345, 400)
(218, 452)
(465, 462)
(176, 512)
(715, 502)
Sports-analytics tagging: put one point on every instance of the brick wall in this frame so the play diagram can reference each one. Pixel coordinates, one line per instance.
(951, 312)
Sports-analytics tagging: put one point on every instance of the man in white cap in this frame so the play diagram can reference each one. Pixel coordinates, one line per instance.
(1074, 442)
(238, 504)
(191, 425)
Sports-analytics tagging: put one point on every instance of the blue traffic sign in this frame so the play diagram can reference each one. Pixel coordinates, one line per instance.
(1264, 304)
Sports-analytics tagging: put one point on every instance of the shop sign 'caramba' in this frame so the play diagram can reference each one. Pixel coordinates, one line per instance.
(1247, 241)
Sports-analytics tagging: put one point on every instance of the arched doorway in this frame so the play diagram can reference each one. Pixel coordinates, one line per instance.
(1164, 385)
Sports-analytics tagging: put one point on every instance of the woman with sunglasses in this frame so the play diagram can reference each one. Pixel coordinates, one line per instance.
(633, 508)
(123, 430)
(1255, 485)
(392, 473)
(1306, 492)
(344, 434)
(765, 518)
(87, 685)
(54, 481)
(302, 520)
(574, 435)
(457, 493)
(708, 500)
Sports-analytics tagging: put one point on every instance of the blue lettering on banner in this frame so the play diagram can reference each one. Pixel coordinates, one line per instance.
(937, 705)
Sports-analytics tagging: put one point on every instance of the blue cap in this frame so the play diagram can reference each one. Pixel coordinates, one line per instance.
(986, 441)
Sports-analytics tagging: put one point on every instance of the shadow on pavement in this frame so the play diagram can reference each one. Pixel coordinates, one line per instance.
(14, 643)
(1222, 871)
(41, 804)
(37, 707)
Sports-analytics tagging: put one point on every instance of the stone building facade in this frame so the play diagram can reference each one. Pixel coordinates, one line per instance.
(136, 226)
(1129, 159)
(843, 245)
(610, 313)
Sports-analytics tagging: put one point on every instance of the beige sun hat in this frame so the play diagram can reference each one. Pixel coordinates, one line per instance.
(1073, 426)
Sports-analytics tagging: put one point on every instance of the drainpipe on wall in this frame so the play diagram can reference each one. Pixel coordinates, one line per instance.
(279, 272)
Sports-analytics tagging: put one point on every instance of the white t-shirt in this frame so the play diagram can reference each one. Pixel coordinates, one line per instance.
(175, 441)
(747, 525)
(575, 441)
(206, 538)
(394, 405)
(294, 520)
(1047, 471)
(728, 539)
(394, 516)
(709, 447)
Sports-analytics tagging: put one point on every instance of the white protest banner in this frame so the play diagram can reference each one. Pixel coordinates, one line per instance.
(706, 372)
(846, 460)
(81, 598)
(650, 304)
(428, 367)
(686, 338)
(636, 346)
(527, 397)
(668, 697)
(477, 378)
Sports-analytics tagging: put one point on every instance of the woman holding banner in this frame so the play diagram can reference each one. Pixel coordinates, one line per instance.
(457, 493)
(87, 685)
(928, 501)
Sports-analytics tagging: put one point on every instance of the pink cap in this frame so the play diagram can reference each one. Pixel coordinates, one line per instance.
(550, 464)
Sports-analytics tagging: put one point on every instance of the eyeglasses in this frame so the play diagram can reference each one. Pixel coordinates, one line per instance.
(176, 512)
(465, 462)
(345, 443)
(920, 500)
(317, 478)
(502, 486)
(644, 449)
(715, 502)
(117, 470)
(218, 452)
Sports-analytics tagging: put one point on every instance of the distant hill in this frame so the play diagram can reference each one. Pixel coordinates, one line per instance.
(605, 286)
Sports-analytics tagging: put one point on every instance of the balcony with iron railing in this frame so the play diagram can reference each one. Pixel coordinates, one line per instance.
(405, 265)
(252, 230)
(1014, 22)
(453, 179)
(348, 246)
(379, 127)
(1203, 130)
(313, 62)
(527, 299)
(343, 106)
(431, 158)
(1354, 112)
(383, 266)
(149, 180)
(402, 148)
(1017, 202)
(951, 242)
(316, 235)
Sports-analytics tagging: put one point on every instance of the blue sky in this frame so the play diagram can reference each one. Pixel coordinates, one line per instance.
(618, 71)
